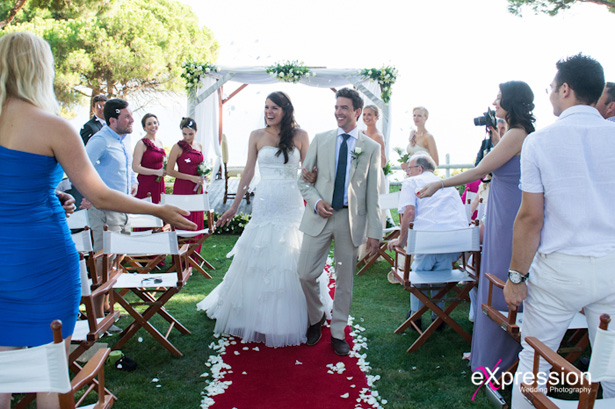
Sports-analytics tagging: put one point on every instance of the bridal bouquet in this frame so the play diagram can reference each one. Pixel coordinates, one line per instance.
(164, 165)
(289, 71)
(403, 156)
(203, 171)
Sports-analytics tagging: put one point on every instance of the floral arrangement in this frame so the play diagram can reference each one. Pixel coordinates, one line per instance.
(203, 171)
(388, 168)
(289, 71)
(235, 226)
(194, 72)
(385, 76)
(165, 161)
(403, 156)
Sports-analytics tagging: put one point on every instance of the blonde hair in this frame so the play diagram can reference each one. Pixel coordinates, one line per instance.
(421, 108)
(373, 108)
(26, 71)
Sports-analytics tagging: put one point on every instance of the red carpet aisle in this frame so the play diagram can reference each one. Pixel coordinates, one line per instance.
(253, 376)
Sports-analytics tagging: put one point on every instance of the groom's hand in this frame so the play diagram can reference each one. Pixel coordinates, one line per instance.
(324, 209)
(372, 246)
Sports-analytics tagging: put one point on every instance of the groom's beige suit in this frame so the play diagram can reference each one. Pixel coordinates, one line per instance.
(347, 226)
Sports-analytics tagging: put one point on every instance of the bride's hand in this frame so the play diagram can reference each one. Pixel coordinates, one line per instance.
(309, 177)
(226, 217)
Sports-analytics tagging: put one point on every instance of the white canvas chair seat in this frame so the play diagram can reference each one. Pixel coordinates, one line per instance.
(194, 203)
(387, 201)
(144, 221)
(601, 368)
(45, 369)
(422, 283)
(152, 290)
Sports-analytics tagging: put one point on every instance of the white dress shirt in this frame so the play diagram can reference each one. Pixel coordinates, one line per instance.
(572, 162)
(441, 211)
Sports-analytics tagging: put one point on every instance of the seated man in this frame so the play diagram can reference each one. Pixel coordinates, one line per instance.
(442, 211)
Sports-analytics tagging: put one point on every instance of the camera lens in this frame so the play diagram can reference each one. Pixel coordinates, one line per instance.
(480, 121)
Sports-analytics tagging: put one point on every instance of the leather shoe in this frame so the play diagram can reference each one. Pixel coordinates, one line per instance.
(340, 346)
(314, 332)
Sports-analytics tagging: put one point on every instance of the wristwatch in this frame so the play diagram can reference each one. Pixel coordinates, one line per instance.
(516, 277)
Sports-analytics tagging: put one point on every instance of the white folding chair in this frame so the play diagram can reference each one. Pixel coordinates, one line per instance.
(194, 203)
(460, 280)
(601, 368)
(78, 220)
(387, 201)
(153, 290)
(45, 369)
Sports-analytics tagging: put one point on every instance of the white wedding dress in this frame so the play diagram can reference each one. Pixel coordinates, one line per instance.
(260, 298)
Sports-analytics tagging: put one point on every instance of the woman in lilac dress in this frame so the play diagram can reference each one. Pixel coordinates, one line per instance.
(148, 161)
(514, 103)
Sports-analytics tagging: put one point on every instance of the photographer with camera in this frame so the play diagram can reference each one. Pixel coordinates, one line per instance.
(514, 103)
(489, 121)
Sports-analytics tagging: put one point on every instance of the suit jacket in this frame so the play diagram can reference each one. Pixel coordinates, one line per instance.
(363, 203)
(90, 128)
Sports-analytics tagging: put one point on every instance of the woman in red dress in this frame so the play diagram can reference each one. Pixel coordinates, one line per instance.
(187, 154)
(148, 161)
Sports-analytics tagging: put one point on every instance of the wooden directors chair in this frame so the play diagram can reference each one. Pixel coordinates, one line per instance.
(443, 281)
(601, 368)
(153, 290)
(387, 201)
(510, 322)
(45, 369)
(194, 203)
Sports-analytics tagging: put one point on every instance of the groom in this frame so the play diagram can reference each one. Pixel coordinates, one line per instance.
(342, 205)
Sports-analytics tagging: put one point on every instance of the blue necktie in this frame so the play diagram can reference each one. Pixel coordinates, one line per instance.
(340, 176)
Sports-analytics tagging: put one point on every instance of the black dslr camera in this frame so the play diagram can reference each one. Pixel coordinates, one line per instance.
(488, 119)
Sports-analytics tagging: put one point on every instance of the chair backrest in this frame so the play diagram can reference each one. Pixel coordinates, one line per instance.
(136, 221)
(83, 241)
(39, 369)
(150, 244)
(389, 200)
(602, 364)
(78, 220)
(439, 242)
(192, 203)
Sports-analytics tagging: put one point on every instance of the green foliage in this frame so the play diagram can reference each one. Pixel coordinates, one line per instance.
(388, 168)
(385, 76)
(235, 226)
(119, 48)
(403, 156)
(194, 72)
(552, 7)
(289, 71)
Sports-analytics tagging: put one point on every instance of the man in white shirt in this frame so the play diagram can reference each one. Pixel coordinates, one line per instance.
(606, 103)
(564, 233)
(442, 211)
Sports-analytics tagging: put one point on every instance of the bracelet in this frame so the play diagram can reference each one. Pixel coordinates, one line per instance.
(442, 181)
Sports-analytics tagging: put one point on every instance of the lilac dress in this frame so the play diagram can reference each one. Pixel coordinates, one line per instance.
(489, 342)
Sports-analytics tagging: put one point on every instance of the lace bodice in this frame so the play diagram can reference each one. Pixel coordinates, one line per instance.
(273, 167)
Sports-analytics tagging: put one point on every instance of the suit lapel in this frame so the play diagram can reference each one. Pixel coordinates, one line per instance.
(330, 146)
(361, 148)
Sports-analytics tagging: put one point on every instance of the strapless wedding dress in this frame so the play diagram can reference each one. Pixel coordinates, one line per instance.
(260, 298)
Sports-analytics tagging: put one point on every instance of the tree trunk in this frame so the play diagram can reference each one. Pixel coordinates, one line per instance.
(18, 6)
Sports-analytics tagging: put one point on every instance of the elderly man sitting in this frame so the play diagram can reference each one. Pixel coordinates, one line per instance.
(442, 211)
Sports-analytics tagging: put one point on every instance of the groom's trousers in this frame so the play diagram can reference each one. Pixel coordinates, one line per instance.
(312, 259)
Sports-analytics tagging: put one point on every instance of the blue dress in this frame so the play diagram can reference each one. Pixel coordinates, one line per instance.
(489, 342)
(39, 264)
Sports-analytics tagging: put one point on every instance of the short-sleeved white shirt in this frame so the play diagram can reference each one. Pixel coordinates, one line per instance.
(442, 211)
(572, 162)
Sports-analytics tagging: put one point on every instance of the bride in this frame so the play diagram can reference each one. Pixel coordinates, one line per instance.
(260, 298)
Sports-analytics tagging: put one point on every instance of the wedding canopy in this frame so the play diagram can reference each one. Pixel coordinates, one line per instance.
(206, 99)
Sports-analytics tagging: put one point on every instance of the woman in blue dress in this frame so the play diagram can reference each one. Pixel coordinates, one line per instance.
(514, 103)
(39, 278)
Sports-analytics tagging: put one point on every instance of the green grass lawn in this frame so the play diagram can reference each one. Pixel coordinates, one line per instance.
(433, 377)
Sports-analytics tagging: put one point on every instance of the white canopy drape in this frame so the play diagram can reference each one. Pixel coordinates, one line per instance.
(204, 103)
